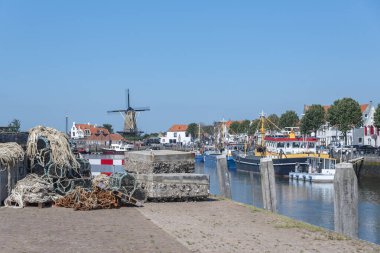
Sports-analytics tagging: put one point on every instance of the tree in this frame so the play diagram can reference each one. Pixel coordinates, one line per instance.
(234, 127)
(108, 127)
(274, 120)
(192, 129)
(288, 119)
(345, 114)
(244, 126)
(313, 119)
(209, 129)
(377, 117)
(15, 125)
(253, 127)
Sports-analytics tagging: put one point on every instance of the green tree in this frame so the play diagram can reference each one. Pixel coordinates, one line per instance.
(345, 114)
(244, 126)
(108, 127)
(274, 121)
(193, 130)
(377, 116)
(253, 127)
(208, 129)
(15, 125)
(234, 127)
(313, 119)
(288, 119)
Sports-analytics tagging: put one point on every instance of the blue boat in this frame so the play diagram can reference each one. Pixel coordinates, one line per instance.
(199, 158)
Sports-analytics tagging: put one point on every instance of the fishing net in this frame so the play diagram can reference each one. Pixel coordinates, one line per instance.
(48, 145)
(84, 200)
(31, 189)
(51, 156)
(11, 155)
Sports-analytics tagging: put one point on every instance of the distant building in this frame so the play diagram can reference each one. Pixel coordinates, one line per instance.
(80, 131)
(176, 134)
(365, 135)
(91, 135)
(103, 140)
(368, 134)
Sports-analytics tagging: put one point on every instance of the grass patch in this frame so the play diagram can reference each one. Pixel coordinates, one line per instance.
(288, 223)
(253, 209)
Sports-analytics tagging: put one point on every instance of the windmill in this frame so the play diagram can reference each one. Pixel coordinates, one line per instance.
(129, 115)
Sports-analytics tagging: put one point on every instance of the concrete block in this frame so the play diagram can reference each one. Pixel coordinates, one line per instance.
(159, 161)
(167, 187)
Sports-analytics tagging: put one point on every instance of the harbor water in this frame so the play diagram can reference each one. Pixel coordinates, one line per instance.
(309, 202)
(305, 201)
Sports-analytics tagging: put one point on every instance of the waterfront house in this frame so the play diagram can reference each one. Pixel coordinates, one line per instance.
(88, 135)
(364, 135)
(368, 134)
(80, 131)
(176, 134)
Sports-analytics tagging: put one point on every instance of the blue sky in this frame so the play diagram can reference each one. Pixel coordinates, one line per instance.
(190, 61)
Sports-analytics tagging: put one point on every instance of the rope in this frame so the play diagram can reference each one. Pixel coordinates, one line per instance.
(31, 189)
(83, 200)
(11, 154)
(60, 152)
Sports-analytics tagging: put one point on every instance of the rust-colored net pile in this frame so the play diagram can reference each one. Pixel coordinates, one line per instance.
(83, 200)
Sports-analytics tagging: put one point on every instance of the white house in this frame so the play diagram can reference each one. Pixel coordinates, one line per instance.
(368, 134)
(80, 131)
(176, 134)
(365, 135)
(76, 132)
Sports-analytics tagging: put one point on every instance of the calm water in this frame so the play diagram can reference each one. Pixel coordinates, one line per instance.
(309, 202)
(305, 201)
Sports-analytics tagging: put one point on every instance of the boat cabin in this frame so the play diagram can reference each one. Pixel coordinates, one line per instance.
(290, 144)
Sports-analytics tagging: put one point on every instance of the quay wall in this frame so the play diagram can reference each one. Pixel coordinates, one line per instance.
(371, 167)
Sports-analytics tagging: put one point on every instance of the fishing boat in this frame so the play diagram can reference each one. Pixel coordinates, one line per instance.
(199, 157)
(116, 149)
(285, 148)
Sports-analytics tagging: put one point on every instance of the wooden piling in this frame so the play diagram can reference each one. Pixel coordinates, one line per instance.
(268, 184)
(223, 176)
(346, 200)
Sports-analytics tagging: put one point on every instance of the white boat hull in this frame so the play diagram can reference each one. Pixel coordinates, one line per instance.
(312, 177)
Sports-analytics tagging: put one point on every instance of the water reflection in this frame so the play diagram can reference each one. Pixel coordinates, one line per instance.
(309, 202)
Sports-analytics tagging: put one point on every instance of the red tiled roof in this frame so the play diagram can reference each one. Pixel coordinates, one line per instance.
(364, 107)
(228, 123)
(93, 129)
(101, 137)
(116, 137)
(178, 128)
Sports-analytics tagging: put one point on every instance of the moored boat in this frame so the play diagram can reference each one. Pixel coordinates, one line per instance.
(116, 149)
(286, 149)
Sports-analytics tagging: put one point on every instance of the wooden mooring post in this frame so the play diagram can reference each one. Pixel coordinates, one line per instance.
(223, 176)
(346, 200)
(268, 185)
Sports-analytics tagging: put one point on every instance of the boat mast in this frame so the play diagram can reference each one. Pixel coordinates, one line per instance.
(262, 128)
(199, 132)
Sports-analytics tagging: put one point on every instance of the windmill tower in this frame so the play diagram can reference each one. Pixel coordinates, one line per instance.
(129, 115)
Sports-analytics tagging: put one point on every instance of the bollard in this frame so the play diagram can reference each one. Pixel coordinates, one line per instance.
(252, 186)
(268, 184)
(223, 176)
(346, 200)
